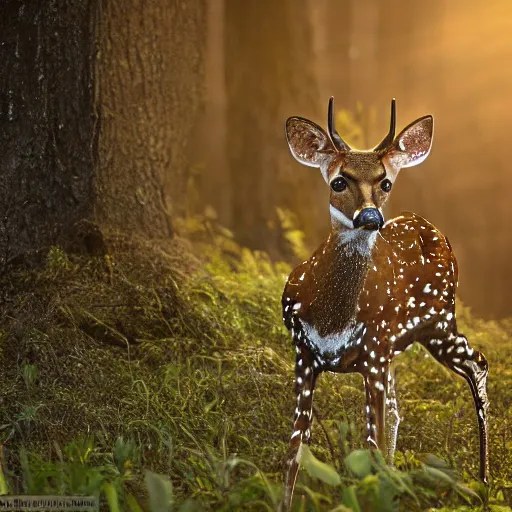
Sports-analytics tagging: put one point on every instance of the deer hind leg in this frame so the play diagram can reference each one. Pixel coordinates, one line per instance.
(375, 383)
(455, 353)
(306, 371)
(392, 417)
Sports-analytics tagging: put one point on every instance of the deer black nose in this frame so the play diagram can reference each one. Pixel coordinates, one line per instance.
(369, 218)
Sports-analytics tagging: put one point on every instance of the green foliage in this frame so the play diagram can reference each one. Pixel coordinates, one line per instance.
(317, 468)
(112, 497)
(368, 484)
(29, 374)
(4, 487)
(359, 462)
(292, 234)
(160, 492)
(57, 261)
(174, 355)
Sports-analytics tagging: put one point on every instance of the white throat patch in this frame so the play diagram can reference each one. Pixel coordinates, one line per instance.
(352, 239)
(358, 240)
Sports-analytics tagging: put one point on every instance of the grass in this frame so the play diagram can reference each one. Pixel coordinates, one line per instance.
(159, 376)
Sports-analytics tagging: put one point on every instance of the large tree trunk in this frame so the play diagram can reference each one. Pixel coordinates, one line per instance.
(150, 78)
(49, 125)
(98, 100)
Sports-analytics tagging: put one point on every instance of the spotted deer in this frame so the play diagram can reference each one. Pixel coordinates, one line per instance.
(372, 288)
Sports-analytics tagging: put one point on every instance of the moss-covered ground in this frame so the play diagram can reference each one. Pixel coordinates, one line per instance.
(161, 372)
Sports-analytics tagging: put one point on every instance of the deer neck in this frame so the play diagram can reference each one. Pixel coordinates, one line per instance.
(330, 295)
(339, 270)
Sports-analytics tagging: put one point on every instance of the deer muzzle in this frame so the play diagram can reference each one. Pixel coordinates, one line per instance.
(369, 218)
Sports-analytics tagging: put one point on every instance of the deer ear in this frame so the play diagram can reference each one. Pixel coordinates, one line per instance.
(413, 143)
(308, 143)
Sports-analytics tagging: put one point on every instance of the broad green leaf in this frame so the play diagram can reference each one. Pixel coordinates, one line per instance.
(480, 489)
(112, 497)
(4, 489)
(466, 491)
(317, 468)
(439, 476)
(159, 491)
(359, 462)
(133, 504)
(191, 506)
(350, 498)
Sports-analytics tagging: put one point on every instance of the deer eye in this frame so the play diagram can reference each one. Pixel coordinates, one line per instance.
(338, 184)
(386, 185)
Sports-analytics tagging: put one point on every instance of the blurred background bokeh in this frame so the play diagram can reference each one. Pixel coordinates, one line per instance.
(267, 60)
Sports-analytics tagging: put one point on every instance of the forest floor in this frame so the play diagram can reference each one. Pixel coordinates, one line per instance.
(159, 376)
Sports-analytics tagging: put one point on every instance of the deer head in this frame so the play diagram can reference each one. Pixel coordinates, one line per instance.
(360, 180)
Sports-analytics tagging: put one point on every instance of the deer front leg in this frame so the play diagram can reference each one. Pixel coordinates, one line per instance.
(455, 353)
(375, 383)
(305, 377)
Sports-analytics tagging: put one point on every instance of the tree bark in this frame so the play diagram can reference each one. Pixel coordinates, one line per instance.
(98, 101)
(150, 78)
(49, 125)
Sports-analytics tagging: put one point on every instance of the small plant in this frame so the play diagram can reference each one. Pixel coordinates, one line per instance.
(57, 260)
(4, 487)
(368, 484)
(29, 374)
